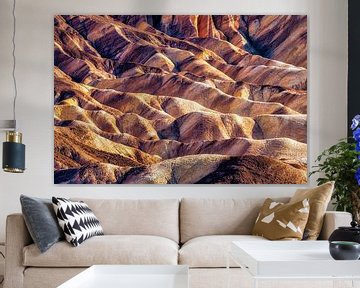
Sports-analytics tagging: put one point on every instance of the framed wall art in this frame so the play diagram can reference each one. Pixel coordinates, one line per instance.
(180, 99)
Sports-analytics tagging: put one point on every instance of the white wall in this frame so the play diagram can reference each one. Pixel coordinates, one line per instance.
(327, 89)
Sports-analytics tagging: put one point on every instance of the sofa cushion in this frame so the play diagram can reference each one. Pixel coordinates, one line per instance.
(211, 251)
(76, 220)
(108, 249)
(41, 221)
(157, 217)
(319, 198)
(279, 221)
(201, 217)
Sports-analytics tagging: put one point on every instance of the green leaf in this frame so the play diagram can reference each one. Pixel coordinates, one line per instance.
(339, 163)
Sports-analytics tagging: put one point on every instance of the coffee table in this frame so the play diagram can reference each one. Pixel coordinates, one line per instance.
(131, 276)
(293, 260)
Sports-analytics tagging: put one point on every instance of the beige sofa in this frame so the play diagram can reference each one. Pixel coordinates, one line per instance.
(194, 232)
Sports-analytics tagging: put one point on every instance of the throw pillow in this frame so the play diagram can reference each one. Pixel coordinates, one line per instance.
(41, 222)
(319, 198)
(77, 220)
(279, 221)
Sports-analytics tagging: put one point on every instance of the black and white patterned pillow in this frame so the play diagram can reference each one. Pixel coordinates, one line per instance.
(77, 220)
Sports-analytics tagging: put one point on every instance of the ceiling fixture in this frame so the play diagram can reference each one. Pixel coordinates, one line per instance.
(13, 149)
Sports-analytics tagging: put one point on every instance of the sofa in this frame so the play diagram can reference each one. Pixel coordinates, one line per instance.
(190, 231)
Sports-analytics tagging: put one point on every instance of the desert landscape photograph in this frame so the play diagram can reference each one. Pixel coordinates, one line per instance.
(180, 99)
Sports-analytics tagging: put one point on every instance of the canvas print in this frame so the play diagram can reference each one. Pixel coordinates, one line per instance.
(180, 99)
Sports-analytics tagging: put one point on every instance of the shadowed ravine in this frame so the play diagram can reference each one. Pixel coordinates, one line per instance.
(180, 99)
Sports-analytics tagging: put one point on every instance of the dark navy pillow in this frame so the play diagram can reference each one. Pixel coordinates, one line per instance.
(41, 221)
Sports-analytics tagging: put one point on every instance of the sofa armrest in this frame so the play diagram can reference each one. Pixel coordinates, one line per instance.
(333, 220)
(17, 237)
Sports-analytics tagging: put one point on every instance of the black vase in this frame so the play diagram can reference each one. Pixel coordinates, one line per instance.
(350, 234)
(342, 250)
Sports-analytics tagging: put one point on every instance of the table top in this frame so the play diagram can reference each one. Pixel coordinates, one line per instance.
(131, 276)
(291, 259)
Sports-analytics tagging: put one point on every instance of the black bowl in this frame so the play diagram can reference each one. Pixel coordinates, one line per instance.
(343, 250)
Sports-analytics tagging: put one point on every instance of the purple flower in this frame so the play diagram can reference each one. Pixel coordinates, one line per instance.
(355, 122)
(357, 147)
(357, 176)
(356, 134)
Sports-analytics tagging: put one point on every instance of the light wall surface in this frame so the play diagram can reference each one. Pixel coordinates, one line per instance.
(327, 65)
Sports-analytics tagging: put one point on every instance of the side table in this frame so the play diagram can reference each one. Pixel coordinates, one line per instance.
(295, 264)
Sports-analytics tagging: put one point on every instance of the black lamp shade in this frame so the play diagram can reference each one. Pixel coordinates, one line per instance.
(13, 157)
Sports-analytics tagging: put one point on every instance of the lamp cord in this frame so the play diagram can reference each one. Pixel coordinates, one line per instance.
(14, 61)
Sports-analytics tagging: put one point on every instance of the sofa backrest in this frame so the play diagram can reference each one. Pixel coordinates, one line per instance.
(159, 217)
(200, 217)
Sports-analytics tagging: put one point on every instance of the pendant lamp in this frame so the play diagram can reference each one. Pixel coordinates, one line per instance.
(13, 160)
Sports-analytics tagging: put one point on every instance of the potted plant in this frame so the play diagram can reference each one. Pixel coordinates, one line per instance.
(341, 163)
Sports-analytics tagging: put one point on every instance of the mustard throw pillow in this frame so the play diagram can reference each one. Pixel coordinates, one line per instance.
(319, 198)
(279, 221)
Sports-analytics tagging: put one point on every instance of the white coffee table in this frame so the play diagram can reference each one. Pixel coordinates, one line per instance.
(131, 276)
(293, 260)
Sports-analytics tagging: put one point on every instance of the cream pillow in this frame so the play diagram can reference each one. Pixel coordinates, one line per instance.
(319, 198)
(279, 221)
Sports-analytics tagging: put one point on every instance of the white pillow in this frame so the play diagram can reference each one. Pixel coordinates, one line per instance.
(76, 220)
